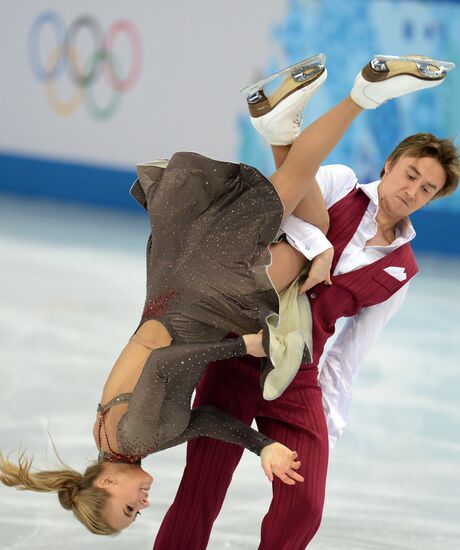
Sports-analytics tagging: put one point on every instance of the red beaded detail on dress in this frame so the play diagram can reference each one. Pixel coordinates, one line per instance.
(112, 456)
(156, 307)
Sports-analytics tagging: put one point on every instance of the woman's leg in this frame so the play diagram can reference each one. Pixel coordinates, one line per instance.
(384, 78)
(280, 153)
(311, 208)
(296, 175)
(295, 181)
(287, 263)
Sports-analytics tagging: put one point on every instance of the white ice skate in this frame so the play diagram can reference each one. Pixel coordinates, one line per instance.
(386, 77)
(277, 117)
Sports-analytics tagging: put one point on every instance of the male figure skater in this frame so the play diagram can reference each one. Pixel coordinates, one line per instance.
(370, 266)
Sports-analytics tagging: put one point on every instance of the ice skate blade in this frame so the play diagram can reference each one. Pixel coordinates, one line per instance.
(299, 73)
(418, 66)
(310, 72)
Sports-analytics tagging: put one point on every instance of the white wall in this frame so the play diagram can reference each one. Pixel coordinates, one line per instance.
(196, 56)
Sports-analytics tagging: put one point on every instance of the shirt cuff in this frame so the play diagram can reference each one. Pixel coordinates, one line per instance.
(309, 251)
(304, 237)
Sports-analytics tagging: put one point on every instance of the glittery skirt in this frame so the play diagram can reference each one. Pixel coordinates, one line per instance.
(212, 223)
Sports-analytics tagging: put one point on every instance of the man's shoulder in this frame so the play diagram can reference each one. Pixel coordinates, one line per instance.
(335, 181)
(338, 171)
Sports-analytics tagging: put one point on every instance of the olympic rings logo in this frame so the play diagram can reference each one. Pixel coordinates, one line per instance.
(100, 63)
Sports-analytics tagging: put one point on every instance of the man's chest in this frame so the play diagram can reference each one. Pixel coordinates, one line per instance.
(367, 245)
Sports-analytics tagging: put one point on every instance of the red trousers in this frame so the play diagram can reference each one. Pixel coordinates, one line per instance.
(295, 419)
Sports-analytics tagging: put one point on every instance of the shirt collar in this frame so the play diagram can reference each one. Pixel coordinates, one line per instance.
(405, 231)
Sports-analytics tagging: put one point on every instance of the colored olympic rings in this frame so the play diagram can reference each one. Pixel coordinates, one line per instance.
(84, 73)
(63, 108)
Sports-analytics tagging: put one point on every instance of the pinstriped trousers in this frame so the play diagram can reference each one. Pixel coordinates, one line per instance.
(295, 419)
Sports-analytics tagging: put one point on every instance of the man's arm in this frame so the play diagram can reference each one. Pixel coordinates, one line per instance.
(343, 361)
(308, 239)
(333, 183)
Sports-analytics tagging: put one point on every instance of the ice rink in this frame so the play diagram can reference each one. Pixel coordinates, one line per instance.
(71, 292)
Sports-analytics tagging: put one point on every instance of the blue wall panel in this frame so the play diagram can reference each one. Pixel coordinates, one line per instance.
(437, 231)
(349, 33)
(39, 177)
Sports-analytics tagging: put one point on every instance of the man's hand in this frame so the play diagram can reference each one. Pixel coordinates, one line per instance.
(320, 271)
(281, 461)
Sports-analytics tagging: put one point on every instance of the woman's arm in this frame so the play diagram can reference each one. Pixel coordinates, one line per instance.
(159, 414)
(209, 421)
(159, 407)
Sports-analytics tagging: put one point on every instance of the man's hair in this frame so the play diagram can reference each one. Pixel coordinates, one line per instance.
(428, 145)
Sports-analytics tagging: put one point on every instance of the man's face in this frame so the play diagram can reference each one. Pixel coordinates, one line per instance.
(408, 185)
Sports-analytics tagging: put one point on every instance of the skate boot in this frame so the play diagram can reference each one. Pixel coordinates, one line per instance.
(277, 117)
(386, 77)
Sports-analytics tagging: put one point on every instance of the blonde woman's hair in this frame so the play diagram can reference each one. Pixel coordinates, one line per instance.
(75, 491)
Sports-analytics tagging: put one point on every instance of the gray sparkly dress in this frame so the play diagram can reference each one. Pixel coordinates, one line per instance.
(211, 224)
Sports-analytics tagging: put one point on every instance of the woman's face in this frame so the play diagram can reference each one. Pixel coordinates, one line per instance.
(129, 487)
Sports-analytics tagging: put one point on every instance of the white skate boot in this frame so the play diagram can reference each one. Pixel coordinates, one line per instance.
(277, 117)
(386, 77)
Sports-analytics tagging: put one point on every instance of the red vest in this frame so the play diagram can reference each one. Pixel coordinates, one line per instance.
(363, 287)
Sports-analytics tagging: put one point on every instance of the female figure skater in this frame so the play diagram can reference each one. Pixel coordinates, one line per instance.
(207, 256)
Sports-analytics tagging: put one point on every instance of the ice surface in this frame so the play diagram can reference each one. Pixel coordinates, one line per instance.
(71, 291)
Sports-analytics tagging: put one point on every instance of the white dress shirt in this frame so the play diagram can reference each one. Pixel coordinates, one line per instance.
(341, 363)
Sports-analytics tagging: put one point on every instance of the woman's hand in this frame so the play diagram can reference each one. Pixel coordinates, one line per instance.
(320, 271)
(254, 344)
(281, 461)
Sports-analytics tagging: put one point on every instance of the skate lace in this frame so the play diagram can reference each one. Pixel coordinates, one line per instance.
(297, 123)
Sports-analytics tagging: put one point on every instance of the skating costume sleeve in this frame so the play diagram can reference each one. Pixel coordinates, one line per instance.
(209, 421)
(159, 408)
